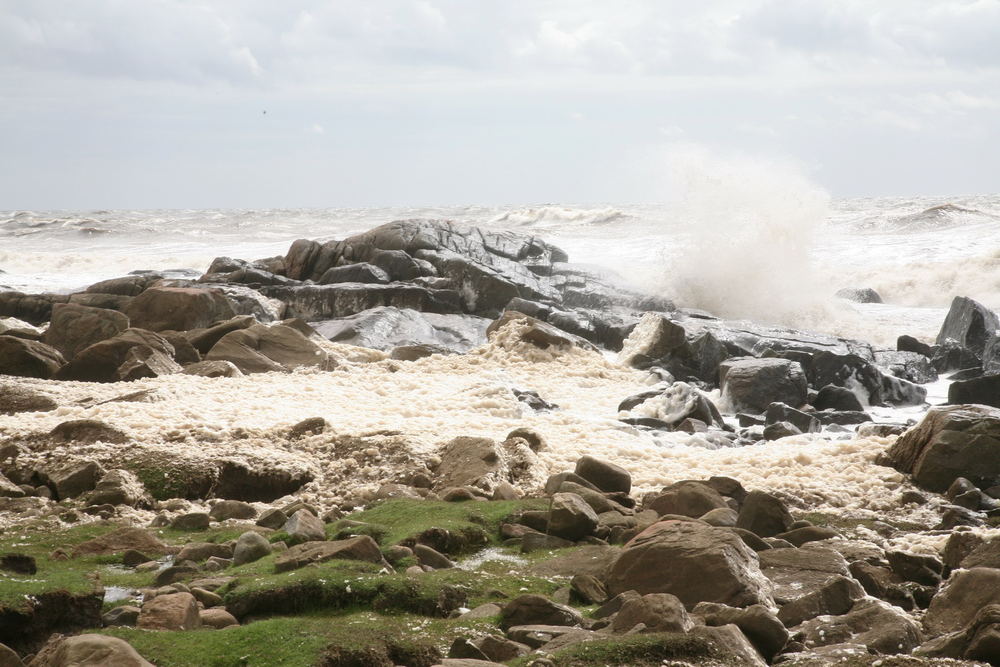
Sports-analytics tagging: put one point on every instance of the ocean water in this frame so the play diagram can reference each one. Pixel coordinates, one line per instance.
(760, 252)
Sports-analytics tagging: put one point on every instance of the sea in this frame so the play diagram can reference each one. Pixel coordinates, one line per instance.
(775, 259)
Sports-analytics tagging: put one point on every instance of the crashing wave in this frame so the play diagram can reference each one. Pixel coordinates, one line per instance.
(938, 217)
(548, 216)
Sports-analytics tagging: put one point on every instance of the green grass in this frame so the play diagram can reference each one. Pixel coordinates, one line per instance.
(636, 650)
(292, 641)
(474, 524)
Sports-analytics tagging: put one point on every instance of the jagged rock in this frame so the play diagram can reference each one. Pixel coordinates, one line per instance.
(835, 596)
(803, 421)
(100, 362)
(534, 331)
(304, 526)
(795, 573)
(654, 337)
(118, 487)
(970, 324)
(74, 327)
(693, 561)
(324, 302)
(28, 358)
(658, 612)
(950, 442)
(907, 365)
(950, 356)
(9, 489)
(758, 623)
(753, 384)
(145, 362)
(674, 404)
(260, 349)
(919, 568)
(961, 597)
(604, 475)
(75, 479)
(174, 611)
(764, 514)
(386, 328)
(779, 430)
(872, 623)
(571, 517)
(851, 371)
(362, 272)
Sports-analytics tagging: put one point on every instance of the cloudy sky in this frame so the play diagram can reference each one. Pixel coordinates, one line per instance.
(256, 103)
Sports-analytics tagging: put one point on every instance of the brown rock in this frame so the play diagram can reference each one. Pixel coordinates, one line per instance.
(28, 358)
(658, 612)
(174, 611)
(88, 649)
(74, 327)
(178, 308)
(362, 548)
(217, 618)
(121, 539)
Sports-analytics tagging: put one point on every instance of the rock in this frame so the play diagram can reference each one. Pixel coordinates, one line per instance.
(522, 328)
(983, 390)
(655, 337)
(910, 344)
(362, 548)
(173, 611)
(850, 371)
(32, 308)
(806, 534)
(178, 308)
(126, 616)
(908, 366)
(466, 459)
(174, 574)
(431, 557)
(272, 518)
(323, 302)
(731, 642)
(118, 487)
(970, 324)
(588, 589)
(28, 358)
(832, 397)
(232, 509)
(385, 328)
(757, 623)
(537, 610)
(15, 400)
(250, 547)
(362, 272)
(753, 384)
(145, 362)
(678, 402)
(87, 431)
(217, 618)
(101, 361)
(9, 489)
(764, 515)
(859, 295)
(75, 479)
(199, 551)
(191, 521)
(659, 612)
(571, 517)
(202, 340)
(214, 369)
(803, 421)
(501, 649)
(918, 568)
(88, 649)
(950, 356)
(260, 349)
(795, 573)
(950, 442)
(75, 327)
(119, 540)
(693, 561)
(779, 430)
(304, 526)
(687, 498)
(835, 596)
(605, 476)
(961, 597)
(872, 623)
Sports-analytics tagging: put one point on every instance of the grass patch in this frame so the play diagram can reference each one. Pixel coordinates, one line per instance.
(637, 650)
(292, 641)
(471, 524)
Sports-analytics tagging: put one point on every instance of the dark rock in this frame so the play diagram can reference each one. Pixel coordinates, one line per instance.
(125, 286)
(779, 430)
(832, 397)
(588, 589)
(204, 339)
(260, 348)
(910, 344)
(970, 324)
(15, 400)
(964, 594)
(842, 418)
(805, 534)
(75, 479)
(603, 475)
(951, 356)
(28, 358)
(764, 515)
(361, 272)
(31, 308)
(323, 302)
(118, 487)
(757, 622)
(362, 548)
(535, 332)
(900, 392)
(101, 361)
(686, 498)
(950, 442)
(803, 421)
(984, 390)
(909, 366)
(859, 295)
(431, 557)
(385, 328)
(753, 384)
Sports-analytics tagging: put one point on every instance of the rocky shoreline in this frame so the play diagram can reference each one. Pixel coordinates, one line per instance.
(522, 460)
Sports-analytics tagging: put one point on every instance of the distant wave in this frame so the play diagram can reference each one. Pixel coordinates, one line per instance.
(548, 216)
(942, 216)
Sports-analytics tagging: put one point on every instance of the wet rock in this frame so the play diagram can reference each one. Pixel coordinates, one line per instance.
(604, 475)
(535, 332)
(871, 623)
(385, 328)
(687, 498)
(795, 573)
(693, 561)
(323, 302)
(28, 358)
(764, 514)
(32, 308)
(779, 430)
(214, 369)
(362, 272)
(983, 390)
(757, 622)
(963, 595)
(806, 534)
(178, 308)
(654, 338)
(908, 366)
(537, 610)
(970, 324)
(173, 611)
(753, 384)
(676, 403)
(950, 442)
(910, 344)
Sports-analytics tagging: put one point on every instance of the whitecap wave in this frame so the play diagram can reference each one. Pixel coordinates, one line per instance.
(555, 216)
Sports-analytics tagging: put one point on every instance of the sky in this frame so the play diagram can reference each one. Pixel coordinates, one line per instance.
(309, 103)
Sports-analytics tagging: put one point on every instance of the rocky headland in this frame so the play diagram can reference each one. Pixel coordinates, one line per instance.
(434, 444)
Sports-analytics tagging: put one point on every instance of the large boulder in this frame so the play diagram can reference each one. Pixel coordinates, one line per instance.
(883, 628)
(694, 561)
(386, 327)
(362, 548)
(961, 597)
(686, 498)
(28, 358)
(173, 611)
(655, 337)
(261, 348)
(178, 308)
(84, 651)
(101, 361)
(750, 384)
(983, 390)
(570, 517)
(74, 327)
(32, 308)
(970, 324)
(950, 442)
